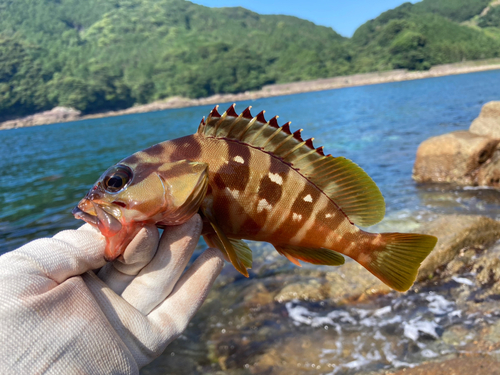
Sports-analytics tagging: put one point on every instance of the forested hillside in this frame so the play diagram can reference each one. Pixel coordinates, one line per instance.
(97, 55)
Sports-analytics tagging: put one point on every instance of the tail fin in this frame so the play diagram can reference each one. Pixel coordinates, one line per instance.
(397, 259)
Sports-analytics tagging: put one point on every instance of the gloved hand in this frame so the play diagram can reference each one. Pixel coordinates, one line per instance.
(57, 316)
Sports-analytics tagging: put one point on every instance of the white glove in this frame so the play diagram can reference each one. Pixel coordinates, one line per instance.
(58, 317)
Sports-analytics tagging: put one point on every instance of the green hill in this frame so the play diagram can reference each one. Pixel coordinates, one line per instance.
(421, 35)
(109, 54)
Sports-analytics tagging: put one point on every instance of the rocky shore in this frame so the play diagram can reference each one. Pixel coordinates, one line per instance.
(61, 114)
(342, 320)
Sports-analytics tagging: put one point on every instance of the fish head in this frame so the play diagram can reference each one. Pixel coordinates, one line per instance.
(127, 197)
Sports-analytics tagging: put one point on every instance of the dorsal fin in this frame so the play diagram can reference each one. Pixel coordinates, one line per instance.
(340, 179)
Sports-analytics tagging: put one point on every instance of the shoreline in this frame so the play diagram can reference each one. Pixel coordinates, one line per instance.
(60, 114)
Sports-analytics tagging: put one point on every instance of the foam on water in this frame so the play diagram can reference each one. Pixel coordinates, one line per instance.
(375, 336)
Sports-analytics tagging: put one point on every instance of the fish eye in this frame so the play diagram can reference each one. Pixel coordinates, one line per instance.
(117, 178)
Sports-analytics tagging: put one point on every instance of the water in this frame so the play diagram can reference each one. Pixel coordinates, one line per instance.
(46, 170)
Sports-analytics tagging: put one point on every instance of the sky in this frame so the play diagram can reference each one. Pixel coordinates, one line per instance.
(344, 16)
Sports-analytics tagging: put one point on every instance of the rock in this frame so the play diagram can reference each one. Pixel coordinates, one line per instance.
(489, 172)
(57, 114)
(257, 295)
(456, 157)
(476, 364)
(455, 233)
(488, 122)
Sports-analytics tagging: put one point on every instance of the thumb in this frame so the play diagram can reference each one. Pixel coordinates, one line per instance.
(68, 253)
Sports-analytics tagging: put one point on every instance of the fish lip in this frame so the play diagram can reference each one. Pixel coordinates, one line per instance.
(108, 224)
(105, 222)
(88, 218)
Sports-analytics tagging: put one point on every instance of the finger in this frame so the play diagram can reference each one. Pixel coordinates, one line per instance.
(133, 328)
(68, 253)
(147, 336)
(155, 281)
(173, 315)
(139, 252)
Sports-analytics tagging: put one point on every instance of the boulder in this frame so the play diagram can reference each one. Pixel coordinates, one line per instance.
(489, 173)
(456, 157)
(488, 122)
(456, 233)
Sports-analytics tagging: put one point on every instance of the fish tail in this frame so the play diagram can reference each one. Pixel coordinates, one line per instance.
(395, 257)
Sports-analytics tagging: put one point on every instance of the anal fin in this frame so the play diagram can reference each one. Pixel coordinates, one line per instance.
(310, 255)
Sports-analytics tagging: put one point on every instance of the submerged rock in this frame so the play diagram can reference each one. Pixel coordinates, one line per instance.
(488, 122)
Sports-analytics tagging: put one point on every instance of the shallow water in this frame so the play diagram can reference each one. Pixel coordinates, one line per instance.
(47, 169)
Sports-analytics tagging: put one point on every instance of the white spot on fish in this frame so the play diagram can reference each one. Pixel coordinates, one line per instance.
(308, 198)
(234, 193)
(263, 205)
(328, 216)
(239, 159)
(276, 178)
(297, 217)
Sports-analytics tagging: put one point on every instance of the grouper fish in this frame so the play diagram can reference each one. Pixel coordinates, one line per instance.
(255, 180)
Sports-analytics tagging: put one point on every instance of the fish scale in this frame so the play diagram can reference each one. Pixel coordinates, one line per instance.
(255, 180)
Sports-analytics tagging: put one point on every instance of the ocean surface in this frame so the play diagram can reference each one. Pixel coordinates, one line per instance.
(46, 170)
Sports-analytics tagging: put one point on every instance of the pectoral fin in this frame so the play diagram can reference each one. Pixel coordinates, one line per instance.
(310, 255)
(237, 251)
(185, 184)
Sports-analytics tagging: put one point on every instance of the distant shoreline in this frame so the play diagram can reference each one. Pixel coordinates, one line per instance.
(66, 114)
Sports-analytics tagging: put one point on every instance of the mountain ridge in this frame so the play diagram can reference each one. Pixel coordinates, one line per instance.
(108, 55)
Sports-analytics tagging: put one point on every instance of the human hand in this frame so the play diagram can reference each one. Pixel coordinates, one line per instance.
(57, 316)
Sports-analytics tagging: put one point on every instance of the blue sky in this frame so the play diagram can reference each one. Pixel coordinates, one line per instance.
(344, 16)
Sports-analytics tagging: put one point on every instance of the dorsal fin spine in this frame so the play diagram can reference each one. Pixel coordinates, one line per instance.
(202, 125)
(245, 130)
(214, 112)
(246, 113)
(221, 120)
(274, 122)
(284, 141)
(309, 143)
(286, 128)
(297, 135)
(304, 156)
(261, 118)
(269, 139)
(299, 145)
(256, 135)
(234, 123)
(231, 112)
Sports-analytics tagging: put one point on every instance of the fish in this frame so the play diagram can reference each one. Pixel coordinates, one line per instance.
(252, 179)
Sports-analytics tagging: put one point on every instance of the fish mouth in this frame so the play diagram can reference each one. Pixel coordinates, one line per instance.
(82, 215)
(96, 216)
